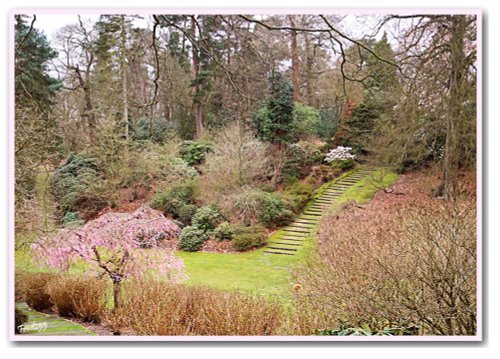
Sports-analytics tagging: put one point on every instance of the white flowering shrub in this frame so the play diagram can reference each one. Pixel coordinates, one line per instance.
(339, 153)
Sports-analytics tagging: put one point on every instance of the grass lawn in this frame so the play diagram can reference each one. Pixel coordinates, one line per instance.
(254, 272)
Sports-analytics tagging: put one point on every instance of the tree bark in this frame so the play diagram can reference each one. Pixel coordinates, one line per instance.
(448, 187)
(117, 300)
(123, 58)
(195, 71)
(295, 60)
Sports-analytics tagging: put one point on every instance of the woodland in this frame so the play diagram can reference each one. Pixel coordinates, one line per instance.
(246, 175)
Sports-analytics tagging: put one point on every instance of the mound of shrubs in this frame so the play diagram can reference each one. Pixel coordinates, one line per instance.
(246, 238)
(273, 211)
(207, 218)
(75, 186)
(192, 238)
(298, 195)
(224, 232)
(178, 201)
(194, 152)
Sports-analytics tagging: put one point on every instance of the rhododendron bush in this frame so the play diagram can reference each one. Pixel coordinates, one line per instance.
(339, 153)
(119, 245)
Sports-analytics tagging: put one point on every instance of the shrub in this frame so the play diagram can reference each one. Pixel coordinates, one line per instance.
(247, 238)
(192, 238)
(194, 152)
(301, 156)
(273, 211)
(184, 310)
(72, 219)
(19, 319)
(80, 296)
(245, 205)
(156, 130)
(306, 119)
(185, 213)
(172, 200)
(329, 120)
(36, 289)
(224, 232)
(75, 184)
(207, 218)
(298, 195)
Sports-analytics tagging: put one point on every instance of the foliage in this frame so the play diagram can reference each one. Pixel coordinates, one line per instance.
(75, 183)
(306, 119)
(301, 156)
(185, 213)
(245, 205)
(329, 120)
(224, 232)
(275, 123)
(111, 244)
(346, 329)
(251, 237)
(297, 195)
(72, 219)
(80, 296)
(273, 211)
(359, 128)
(192, 238)
(339, 153)
(187, 310)
(177, 201)
(154, 130)
(207, 218)
(194, 152)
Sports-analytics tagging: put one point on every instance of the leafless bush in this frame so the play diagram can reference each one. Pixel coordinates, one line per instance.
(35, 287)
(155, 308)
(405, 267)
(80, 296)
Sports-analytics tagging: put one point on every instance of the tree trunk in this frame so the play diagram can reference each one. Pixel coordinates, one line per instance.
(308, 71)
(123, 58)
(117, 288)
(195, 71)
(448, 187)
(295, 61)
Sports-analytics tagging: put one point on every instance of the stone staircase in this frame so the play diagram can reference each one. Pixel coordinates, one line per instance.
(292, 237)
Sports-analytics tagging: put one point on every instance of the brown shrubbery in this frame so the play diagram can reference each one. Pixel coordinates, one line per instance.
(80, 296)
(34, 287)
(412, 265)
(155, 308)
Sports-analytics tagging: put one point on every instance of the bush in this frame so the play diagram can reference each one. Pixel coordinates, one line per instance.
(306, 119)
(194, 152)
(329, 120)
(301, 157)
(156, 130)
(224, 232)
(184, 310)
(185, 213)
(207, 218)
(192, 238)
(273, 211)
(72, 219)
(298, 195)
(247, 238)
(80, 296)
(36, 289)
(19, 319)
(173, 200)
(75, 184)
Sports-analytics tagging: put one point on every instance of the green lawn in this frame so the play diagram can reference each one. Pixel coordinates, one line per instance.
(254, 272)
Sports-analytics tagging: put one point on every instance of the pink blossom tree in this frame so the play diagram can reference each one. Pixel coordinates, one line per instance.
(119, 245)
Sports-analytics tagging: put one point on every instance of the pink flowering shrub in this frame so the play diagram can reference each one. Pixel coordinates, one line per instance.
(119, 245)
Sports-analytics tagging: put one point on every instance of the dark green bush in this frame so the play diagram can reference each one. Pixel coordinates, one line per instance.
(155, 130)
(343, 164)
(186, 212)
(73, 185)
(72, 219)
(20, 319)
(298, 195)
(194, 152)
(273, 211)
(173, 201)
(207, 218)
(224, 232)
(192, 238)
(247, 238)
(301, 157)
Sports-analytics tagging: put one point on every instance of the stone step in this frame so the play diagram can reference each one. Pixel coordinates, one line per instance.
(283, 249)
(306, 221)
(293, 239)
(276, 252)
(287, 244)
(296, 234)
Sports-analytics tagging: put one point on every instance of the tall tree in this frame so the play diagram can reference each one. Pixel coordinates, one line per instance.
(295, 59)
